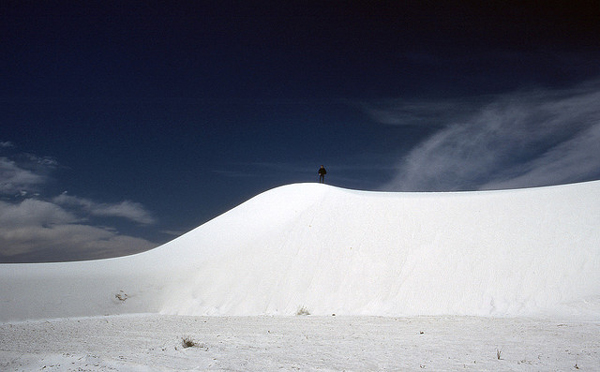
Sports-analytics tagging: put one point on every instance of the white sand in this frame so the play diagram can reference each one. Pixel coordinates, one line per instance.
(479, 273)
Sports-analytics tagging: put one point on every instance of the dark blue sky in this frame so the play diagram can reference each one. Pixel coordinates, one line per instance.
(125, 124)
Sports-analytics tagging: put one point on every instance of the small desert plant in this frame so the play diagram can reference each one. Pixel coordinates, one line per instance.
(498, 353)
(302, 310)
(187, 342)
(121, 296)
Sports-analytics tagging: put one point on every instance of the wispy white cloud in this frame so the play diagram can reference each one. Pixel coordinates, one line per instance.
(58, 228)
(32, 212)
(14, 178)
(419, 112)
(126, 209)
(523, 139)
(35, 228)
(573, 160)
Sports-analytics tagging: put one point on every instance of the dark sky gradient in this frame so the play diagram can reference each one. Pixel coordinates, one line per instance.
(125, 124)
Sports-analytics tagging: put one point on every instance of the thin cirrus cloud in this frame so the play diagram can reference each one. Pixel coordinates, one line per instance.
(14, 178)
(34, 228)
(60, 240)
(126, 209)
(523, 139)
(415, 112)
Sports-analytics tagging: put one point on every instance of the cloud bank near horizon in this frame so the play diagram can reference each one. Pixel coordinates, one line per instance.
(523, 139)
(59, 227)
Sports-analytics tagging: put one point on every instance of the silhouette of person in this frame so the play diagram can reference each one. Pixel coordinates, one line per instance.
(322, 173)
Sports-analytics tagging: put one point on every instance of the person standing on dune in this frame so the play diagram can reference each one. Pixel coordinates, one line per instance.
(322, 173)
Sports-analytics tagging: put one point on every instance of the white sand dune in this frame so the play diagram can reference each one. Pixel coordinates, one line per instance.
(335, 251)
(525, 263)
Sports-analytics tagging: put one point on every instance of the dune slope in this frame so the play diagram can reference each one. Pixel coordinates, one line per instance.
(328, 250)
